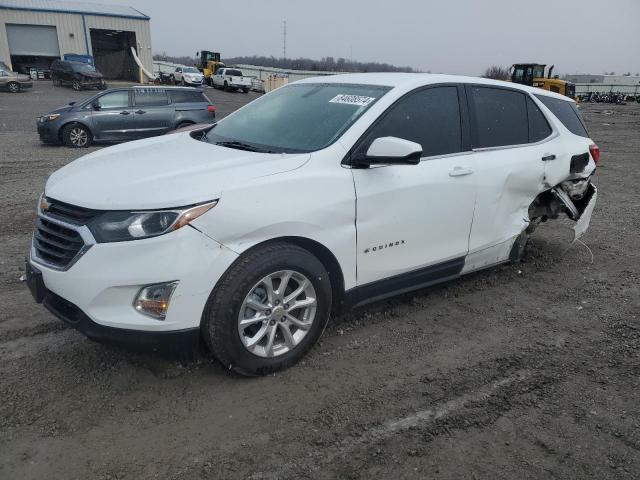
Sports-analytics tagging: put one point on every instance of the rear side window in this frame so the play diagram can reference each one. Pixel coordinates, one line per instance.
(150, 97)
(233, 73)
(567, 113)
(187, 96)
(500, 117)
(430, 117)
(539, 128)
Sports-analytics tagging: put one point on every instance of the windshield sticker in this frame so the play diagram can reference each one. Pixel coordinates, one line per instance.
(358, 100)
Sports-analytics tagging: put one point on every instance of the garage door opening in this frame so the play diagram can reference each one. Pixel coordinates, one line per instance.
(112, 54)
(32, 46)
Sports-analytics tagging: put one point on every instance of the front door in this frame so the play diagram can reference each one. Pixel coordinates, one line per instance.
(412, 217)
(112, 117)
(153, 114)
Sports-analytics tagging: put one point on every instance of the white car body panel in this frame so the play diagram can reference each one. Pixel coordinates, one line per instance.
(470, 206)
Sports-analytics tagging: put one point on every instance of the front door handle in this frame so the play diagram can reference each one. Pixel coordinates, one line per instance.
(548, 156)
(460, 171)
(140, 112)
(124, 112)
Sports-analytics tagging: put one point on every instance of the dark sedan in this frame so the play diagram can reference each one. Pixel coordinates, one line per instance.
(124, 114)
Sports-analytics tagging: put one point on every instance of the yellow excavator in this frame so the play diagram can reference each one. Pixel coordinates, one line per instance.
(209, 63)
(533, 74)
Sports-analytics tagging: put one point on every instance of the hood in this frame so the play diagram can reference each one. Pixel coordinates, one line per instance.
(91, 74)
(61, 110)
(161, 172)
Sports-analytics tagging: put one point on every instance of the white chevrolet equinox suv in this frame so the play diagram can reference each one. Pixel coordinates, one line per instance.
(326, 193)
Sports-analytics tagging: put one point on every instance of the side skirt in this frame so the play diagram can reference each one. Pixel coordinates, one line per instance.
(405, 282)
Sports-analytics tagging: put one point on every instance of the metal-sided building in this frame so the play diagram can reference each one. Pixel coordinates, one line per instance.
(33, 33)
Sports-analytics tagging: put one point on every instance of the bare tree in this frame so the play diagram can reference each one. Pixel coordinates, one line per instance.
(497, 72)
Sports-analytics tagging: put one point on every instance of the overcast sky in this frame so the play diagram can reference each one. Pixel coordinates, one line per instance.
(449, 36)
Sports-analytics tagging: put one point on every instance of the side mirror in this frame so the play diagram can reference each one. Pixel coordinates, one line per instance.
(96, 105)
(392, 151)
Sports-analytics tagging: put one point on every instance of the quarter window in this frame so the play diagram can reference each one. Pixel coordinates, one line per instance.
(500, 117)
(430, 117)
(539, 128)
(119, 99)
(566, 112)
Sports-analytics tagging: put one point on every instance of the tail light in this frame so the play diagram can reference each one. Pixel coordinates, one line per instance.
(212, 109)
(594, 150)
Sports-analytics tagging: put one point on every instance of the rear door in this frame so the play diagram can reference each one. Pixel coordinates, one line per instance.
(152, 112)
(114, 118)
(511, 139)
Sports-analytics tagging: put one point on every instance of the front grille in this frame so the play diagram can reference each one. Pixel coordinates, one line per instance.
(55, 244)
(69, 213)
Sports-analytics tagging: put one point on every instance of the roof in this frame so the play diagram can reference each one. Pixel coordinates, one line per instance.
(409, 81)
(84, 8)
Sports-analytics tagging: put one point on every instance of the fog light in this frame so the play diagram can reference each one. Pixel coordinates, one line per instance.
(153, 300)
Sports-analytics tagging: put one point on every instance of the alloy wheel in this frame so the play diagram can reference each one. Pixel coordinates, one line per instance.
(76, 85)
(78, 136)
(14, 87)
(277, 313)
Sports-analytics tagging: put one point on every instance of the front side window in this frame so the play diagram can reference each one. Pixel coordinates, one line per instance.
(296, 118)
(150, 97)
(500, 117)
(566, 112)
(119, 99)
(178, 70)
(430, 117)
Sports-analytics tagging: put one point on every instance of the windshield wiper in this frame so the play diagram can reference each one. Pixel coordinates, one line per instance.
(243, 146)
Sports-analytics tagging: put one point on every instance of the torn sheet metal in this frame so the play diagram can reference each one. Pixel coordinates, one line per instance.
(582, 224)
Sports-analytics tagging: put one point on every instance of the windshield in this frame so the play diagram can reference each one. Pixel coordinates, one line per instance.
(83, 67)
(190, 70)
(296, 118)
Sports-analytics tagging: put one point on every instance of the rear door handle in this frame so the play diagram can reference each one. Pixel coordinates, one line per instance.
(124, 112)
(460, 171)
(548, 156)
(140, 112)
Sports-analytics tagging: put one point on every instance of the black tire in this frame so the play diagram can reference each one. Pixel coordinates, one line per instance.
(183, 124)
(13, 87)
(226, 87)
(103, 86)
(72, 137)
(219, 324)
(245, 90)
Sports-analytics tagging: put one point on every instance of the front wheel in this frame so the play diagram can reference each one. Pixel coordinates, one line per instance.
(76, 136)
(245, 90)
(14, 87)
(268, 310)
(76, 85)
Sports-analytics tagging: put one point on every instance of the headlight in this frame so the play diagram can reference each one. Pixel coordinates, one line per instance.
(122, 226)
(49, 118)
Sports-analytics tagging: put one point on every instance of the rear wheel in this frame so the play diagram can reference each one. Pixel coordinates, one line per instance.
(245, 90)
(268, 310)
(76, 85)
(76, 136)
(14, 87)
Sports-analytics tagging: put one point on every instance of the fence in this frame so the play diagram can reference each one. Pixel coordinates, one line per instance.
(582, 88)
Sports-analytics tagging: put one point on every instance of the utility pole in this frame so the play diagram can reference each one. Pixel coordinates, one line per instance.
(284, 39)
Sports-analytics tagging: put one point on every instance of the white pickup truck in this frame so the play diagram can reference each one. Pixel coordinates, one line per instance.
(231, 79)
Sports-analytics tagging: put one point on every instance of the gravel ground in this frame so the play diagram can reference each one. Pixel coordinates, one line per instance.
(528, 370)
